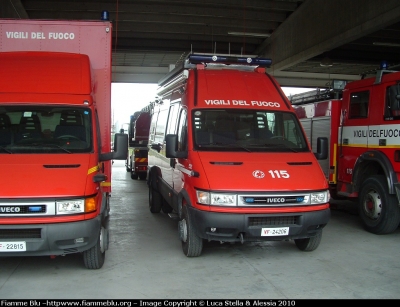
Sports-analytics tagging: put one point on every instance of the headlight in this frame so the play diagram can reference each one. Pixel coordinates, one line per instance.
(71, 206)
(203, 197)
(319, 198)
(216, 199)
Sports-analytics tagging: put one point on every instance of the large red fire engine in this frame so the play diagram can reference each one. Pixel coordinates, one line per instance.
(362, 124)
(138, 134)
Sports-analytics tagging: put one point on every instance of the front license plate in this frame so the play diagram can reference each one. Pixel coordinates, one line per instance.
(13, 246)
(270, 232)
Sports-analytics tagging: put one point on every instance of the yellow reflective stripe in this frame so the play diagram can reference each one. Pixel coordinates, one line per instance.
(105, 184)
(334, 179)
(93, 169)
(140, 159)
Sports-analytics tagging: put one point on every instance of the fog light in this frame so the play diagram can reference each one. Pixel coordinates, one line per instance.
(79, 240)
(213, 229)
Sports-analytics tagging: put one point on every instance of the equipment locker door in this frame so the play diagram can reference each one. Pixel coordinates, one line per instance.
(354, 133)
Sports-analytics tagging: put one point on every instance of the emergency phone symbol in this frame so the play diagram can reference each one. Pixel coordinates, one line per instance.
(258, 174)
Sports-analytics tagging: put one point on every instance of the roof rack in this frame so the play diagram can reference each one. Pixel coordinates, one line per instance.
(178, 75)
(380, 73)
(228, 59)
(314, 96)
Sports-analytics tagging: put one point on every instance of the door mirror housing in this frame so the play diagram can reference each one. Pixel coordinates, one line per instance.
(322, 148)
(120, 148)
(171, 148)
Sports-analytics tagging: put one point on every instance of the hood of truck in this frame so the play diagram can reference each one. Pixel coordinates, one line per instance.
(63, 175)
(231, 171)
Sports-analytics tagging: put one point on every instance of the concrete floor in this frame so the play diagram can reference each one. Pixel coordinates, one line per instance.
(145, 261)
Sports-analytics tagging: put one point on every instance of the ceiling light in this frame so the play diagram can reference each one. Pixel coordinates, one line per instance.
(249, 34)
(386, 44)
(326, 62)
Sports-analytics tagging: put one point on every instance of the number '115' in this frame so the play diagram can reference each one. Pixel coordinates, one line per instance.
(279, 174)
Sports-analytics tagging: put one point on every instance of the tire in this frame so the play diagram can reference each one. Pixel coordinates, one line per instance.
(309, 244)
(142, 176)
(155, 200)
(128, 169)
(108, 208)
(378, 210)
(134, 175)
(94, 257)
(192, 244)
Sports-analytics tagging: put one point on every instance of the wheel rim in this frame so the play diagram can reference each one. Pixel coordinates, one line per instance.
(183, 230)
(101, 238)
(372, 205)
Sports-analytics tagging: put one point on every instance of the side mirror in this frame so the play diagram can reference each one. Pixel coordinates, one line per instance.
(99, 178)
(171, 147)
(322, 148)
(120, 148)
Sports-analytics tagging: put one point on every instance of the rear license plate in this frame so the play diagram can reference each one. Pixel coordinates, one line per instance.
(270, 232)
(13, 246)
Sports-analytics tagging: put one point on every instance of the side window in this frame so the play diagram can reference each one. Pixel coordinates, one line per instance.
(182, 130)
(153, 125)
(392, 106)
(292, 131)
(172, 118)
(131, 129)
(359, 104)
(159, 135)
(98, 132)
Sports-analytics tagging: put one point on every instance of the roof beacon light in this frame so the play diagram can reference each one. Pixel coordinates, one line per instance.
(198, 59)
(105, 15)
(384, 65)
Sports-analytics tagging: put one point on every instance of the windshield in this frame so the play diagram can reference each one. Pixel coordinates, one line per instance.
(27, 129)
(247, 130)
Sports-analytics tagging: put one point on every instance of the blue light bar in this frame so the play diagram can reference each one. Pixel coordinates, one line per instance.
(198, 59)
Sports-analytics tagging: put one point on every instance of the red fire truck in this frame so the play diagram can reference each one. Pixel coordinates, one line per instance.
(55, 135)
(138, 134)
(227, 157)
(362, 124)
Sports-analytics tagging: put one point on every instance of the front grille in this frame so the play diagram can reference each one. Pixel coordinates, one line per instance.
(274, 221)
(27, 233)
(274, 200)
(22, 209)
(280, 200)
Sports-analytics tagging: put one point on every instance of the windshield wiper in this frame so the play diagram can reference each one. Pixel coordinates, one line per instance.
(6, 150)
(272, 145)
(52, 145)
(230, 145)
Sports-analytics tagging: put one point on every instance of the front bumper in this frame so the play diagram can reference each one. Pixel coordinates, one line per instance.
(52, 239)
(229, 227)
